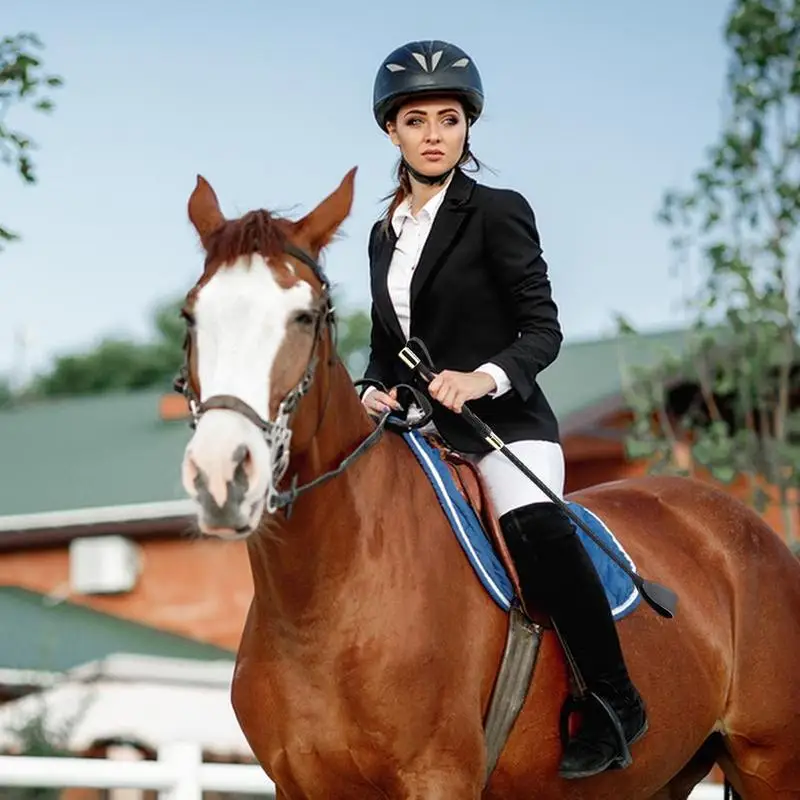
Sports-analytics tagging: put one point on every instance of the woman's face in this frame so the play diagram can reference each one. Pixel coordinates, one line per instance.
(430, 133)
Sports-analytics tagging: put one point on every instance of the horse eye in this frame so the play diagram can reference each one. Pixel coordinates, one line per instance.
(304, 318)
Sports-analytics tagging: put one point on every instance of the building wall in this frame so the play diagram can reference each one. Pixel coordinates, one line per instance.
(591, 464)
(580, 474)
(197, 588)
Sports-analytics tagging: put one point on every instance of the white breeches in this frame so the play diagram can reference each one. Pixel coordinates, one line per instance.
(508, 487)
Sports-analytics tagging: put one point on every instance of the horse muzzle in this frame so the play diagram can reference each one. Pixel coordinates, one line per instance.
(226, 471)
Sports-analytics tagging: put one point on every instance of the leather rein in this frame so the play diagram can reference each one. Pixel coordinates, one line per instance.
(277, 432)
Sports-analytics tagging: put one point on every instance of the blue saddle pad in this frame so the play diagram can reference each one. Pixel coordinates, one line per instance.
(623, 596)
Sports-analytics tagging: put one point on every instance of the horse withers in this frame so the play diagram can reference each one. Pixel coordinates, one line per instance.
(370, 649)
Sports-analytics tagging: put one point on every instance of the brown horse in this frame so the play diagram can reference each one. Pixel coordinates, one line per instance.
(370, 649)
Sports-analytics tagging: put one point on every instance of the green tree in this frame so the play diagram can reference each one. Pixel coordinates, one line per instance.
(353, 341)
(22, 82)
(6, 393)
(120, 364)
(739, 220)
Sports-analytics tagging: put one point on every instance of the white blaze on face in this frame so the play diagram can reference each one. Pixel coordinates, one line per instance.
(241, 317)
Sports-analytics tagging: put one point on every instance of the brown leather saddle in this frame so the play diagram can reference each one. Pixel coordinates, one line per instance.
(472, 488)
(465, 474)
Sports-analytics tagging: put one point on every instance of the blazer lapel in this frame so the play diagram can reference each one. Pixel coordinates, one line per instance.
(380, 286)
(450, 219)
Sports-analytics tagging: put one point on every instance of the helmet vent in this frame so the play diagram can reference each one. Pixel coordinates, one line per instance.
(421, 60)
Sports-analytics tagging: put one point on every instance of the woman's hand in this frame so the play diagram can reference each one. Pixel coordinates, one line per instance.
(452, 389)
(376, 401)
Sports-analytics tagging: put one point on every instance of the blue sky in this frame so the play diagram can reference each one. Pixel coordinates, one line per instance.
(593, 110)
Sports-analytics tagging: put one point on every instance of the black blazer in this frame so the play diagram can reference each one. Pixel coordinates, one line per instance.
(480, 292)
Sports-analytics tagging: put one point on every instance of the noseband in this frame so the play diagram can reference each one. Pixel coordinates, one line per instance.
(277, 432)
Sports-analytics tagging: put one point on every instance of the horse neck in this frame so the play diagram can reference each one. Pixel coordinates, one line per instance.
(301, 563)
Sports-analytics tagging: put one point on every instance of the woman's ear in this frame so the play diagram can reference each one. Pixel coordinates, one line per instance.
(391, 129)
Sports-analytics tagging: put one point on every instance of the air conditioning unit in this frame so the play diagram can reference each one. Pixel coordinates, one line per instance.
(103, 565)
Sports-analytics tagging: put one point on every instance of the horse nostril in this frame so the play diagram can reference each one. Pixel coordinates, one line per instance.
(190, 471)
(243, 462)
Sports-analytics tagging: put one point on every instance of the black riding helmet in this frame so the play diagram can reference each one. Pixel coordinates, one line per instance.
(429, 67)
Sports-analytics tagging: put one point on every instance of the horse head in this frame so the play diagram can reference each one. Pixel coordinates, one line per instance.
(259, 350)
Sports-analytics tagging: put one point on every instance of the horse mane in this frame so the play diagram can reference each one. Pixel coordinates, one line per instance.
(255, 232)
(259, 232)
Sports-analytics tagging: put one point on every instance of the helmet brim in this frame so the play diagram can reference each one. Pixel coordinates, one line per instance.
(388, 108)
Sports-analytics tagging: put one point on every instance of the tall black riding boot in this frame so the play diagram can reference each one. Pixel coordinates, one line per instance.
(558, 578)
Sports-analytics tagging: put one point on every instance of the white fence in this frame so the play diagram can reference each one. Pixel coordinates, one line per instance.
(179, 774)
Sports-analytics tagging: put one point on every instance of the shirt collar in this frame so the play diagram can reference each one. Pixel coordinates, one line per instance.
(427, 212)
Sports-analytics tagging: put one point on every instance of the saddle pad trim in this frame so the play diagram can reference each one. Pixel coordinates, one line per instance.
(502, 595)
(490, 570)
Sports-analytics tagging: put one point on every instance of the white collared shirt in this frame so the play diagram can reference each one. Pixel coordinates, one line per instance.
(412, 233)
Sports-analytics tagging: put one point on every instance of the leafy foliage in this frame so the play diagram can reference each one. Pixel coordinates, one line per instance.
(121, 364)
(740, 221)
(22, 81)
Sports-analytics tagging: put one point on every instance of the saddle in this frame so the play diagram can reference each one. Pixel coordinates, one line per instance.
(416, 413)
(470, 484)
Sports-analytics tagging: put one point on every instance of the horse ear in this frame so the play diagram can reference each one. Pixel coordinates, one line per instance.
(204, 210)
(319, 225)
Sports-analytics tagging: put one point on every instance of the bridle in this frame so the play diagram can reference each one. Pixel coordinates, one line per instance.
(277, 432)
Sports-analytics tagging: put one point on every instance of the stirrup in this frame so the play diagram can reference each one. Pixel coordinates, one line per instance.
(578, 704)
